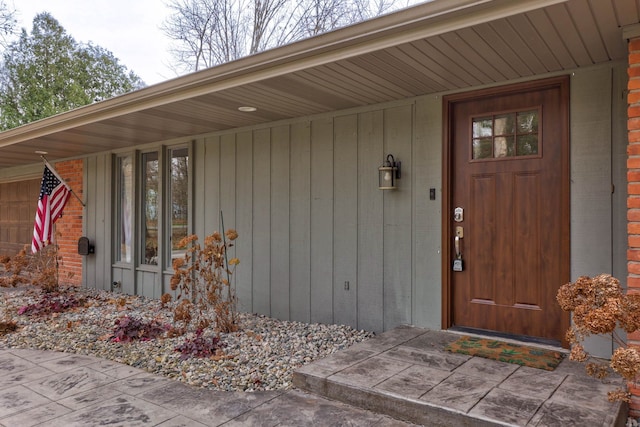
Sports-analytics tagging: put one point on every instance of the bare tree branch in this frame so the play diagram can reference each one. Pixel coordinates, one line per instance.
(7, 23)
(211, 32)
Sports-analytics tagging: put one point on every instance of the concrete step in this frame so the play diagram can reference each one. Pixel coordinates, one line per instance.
(406, 374)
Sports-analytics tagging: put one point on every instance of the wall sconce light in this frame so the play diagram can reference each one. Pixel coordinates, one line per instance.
(388, 174)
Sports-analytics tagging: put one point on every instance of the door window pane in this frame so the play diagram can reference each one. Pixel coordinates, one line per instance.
(504, 146)
(505, 124)
(528, 122)
(482, 127)
(150, 208)
(506, 135)
(482, 148)
(527, 145)
(179, 199)
(124, 208)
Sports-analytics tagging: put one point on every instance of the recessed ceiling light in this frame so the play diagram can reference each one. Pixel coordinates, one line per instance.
(247, 109)
(41, 152)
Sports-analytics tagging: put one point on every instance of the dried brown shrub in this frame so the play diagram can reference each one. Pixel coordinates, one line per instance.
(15, 271)
(203, 281)
(600, 306)
(165, 299)
(7, 326)
(40, 269)
(43, 267)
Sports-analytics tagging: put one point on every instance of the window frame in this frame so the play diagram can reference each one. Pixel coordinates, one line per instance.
(141, 238)
(118, 209)
(492, 116)
(168, 251)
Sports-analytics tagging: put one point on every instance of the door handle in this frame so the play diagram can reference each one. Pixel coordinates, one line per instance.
(457, 263)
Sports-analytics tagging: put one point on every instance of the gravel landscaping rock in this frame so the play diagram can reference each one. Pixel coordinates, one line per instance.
(262, 355)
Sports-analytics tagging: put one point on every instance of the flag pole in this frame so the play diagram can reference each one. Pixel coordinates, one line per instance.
(53, 171)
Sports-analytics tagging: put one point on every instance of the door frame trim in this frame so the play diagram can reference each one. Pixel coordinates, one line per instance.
(561, 82)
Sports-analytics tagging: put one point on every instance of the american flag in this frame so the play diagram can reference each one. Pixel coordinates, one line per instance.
(54, 194)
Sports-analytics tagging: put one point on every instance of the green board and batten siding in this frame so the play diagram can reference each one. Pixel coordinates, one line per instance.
(598, 179)
(96, 270)
(318, 241)
(303, 196)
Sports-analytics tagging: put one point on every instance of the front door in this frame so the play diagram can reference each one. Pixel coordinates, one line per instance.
(508, 220)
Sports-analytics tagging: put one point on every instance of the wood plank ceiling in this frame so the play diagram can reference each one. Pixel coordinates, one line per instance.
(551, 38)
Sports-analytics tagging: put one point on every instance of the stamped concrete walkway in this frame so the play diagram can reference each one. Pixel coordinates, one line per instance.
(406, 373)
(39, 388)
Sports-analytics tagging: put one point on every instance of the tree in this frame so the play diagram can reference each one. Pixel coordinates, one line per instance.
(7, 23)
(47, 72)
(212, 32)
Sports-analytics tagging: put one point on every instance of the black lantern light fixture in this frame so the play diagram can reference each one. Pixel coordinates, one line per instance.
(388, 174)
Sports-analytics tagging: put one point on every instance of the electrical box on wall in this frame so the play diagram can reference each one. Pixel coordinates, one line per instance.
(85, 247)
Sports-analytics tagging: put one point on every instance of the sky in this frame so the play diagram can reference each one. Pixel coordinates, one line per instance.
(130, 29)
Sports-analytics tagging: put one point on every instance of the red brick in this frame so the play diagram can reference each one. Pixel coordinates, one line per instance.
(633, 123)
(633, 202)
(634, 96)
(633, 140)
(634, 44)
(633, 84)
(633, 283)
(70, 225)
(634, 241)
(633, 162)
(633, 188)
(635, 110)
(633, 255)
(633, 267)
(633, 176)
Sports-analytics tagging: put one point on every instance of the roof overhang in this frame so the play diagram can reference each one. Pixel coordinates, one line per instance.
(440, 46)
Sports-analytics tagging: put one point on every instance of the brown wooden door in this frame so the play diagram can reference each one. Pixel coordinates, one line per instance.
(509, 160)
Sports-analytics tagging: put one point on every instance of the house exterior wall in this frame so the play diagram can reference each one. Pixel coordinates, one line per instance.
(303, 197)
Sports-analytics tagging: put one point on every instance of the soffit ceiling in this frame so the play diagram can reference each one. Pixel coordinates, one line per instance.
(445, 45)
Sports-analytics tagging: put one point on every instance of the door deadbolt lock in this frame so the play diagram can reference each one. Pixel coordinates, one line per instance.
(458, 214)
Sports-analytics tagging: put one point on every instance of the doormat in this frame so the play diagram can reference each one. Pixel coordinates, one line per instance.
(507, 352)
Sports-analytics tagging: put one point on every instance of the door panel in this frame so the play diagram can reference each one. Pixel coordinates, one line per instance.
(508, 171)
(526, 216)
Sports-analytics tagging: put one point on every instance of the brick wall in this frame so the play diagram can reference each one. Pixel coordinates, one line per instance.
(633, 200)
(69, 226)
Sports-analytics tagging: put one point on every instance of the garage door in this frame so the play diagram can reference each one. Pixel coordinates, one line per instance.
(18, 203)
